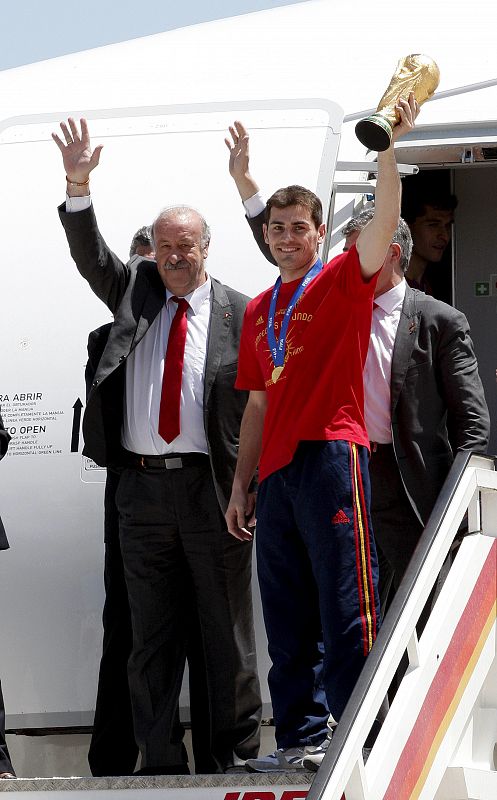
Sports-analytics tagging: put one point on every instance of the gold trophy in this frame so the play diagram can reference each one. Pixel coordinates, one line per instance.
(415, 73)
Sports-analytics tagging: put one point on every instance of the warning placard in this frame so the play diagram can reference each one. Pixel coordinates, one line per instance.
(38, 425)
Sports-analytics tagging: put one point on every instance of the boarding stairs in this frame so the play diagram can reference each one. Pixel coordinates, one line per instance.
(438, 739)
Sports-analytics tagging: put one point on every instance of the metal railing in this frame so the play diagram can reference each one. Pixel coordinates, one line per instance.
(470, 487)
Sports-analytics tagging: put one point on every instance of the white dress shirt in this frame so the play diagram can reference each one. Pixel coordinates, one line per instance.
(378, 368)
(254, 205)
(144, 371)
(145, 368)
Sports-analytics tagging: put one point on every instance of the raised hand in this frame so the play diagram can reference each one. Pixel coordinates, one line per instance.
(238, 146)
(408, 111)
(78, 157)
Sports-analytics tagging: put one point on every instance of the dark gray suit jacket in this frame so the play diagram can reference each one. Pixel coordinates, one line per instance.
(4, 443)
(437, 400)
(135, 294)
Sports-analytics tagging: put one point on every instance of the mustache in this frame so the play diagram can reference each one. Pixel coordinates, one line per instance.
(179, 265)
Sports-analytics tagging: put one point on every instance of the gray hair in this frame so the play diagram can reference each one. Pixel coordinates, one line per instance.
(205, 235)
(143, 238)
(402, 235)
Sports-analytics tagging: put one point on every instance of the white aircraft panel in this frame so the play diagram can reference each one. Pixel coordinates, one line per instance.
(50, 496)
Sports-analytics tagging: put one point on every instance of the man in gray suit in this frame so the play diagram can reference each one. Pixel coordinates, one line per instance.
(6, 768)
(421, 360)
(175, 443)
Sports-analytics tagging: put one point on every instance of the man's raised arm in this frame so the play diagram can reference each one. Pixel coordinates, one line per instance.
(375, 239)
(247, 187)
(104, 271)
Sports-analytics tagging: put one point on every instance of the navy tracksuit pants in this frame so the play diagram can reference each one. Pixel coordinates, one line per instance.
(318, 576)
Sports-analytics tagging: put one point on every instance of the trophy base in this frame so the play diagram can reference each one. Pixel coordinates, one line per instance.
(374, 132)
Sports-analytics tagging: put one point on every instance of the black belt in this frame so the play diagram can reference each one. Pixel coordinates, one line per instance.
(375, 446)
(171, 461)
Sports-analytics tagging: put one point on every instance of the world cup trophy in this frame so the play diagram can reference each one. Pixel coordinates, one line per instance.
(415, 73)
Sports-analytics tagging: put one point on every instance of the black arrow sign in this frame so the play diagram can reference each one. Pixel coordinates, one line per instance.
(76, 423)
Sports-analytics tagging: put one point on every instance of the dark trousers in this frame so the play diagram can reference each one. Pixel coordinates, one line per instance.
(318, 573)
(177, 556)
(113, 749)
(5, 762)
(397, 532)
(397, 529)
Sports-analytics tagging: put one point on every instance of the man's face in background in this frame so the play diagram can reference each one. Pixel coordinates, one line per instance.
(431, 233)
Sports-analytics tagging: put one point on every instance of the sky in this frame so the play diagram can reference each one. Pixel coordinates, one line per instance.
(34, 30)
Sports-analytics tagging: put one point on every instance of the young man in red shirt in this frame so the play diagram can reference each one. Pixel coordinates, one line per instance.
(302, 353)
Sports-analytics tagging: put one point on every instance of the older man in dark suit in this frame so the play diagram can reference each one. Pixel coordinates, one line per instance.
(113, 749)
(6, 768)
(162, 410)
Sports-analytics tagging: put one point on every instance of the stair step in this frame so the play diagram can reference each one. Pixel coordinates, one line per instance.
(239, 786)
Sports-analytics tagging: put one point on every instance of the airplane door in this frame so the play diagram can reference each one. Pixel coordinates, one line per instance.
(475, 248)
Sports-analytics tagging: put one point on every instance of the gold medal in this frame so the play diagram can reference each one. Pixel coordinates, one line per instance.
(276, 373)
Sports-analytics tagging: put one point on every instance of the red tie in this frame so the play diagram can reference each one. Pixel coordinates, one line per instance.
(169, 422)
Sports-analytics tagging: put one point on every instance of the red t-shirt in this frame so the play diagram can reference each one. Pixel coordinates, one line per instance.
(319, 395)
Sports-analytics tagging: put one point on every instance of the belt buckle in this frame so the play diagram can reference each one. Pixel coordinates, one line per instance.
(173, 463)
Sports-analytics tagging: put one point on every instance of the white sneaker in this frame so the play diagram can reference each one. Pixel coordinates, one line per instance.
(287, 759)
(314, 755)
